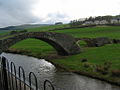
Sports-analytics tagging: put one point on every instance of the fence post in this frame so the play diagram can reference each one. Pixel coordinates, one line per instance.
(4, 73)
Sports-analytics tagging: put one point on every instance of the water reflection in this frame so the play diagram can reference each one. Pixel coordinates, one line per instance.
(61, 80)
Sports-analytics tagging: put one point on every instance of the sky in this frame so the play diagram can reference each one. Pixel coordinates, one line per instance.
(17, 12)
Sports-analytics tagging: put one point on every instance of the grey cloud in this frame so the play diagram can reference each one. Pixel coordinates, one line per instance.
(14, 12)
(57, 17)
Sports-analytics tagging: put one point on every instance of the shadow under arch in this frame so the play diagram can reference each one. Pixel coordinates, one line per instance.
(56, 46)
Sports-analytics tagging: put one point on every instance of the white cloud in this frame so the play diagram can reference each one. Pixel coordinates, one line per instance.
(76, 8)
(13, 12)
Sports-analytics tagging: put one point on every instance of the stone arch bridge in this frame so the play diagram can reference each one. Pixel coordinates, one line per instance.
(64, 44)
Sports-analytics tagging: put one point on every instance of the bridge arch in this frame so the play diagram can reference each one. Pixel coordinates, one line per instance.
(64, 44)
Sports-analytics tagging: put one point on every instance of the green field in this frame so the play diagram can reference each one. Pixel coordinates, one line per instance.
(4, 32)
(46, 28)
(100, 31)
(106, 31)
(97, 57)
(92, 32)
(94, 55)
(33, 47)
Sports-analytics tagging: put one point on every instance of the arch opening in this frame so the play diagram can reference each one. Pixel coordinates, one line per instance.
(49, 46)
(82, 43)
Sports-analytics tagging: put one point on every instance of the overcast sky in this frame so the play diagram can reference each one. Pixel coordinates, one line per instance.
(16, 12)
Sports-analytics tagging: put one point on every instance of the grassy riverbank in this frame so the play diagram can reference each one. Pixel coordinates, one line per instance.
(98, 62)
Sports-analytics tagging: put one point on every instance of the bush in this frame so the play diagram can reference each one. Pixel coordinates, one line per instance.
(13, 32)
(87, 65)
(17, 32)
(107, 65)
(84, 60)
(22, 31)
(103, 69)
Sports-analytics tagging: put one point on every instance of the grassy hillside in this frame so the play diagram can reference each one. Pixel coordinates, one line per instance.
(24, 26)
(46, 28)
(94, 55)
(92, 32)
(105, 31)
(4, 32)
(36, 29)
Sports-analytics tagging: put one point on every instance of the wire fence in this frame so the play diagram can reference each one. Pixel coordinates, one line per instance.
(12, 79)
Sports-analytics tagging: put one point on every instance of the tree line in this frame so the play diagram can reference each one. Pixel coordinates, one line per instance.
(108, 19)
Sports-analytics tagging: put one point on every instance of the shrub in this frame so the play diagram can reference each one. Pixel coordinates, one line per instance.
(84, 60)
(101, 69)
(22, 31)
(13, 32)
(17, 32)
(87, 65)
(107, 65)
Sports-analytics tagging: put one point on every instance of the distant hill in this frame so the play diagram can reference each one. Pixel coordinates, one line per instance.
(25, 26)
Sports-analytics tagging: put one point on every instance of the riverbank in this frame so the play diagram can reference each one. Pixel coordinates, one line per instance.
(94, 75)
(49, 56)
(89, 73)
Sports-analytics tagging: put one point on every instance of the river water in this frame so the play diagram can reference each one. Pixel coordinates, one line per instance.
(61, 80)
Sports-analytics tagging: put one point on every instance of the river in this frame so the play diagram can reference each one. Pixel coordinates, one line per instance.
(61, 80)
